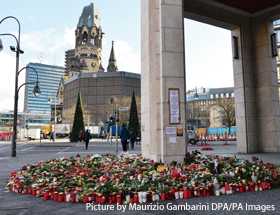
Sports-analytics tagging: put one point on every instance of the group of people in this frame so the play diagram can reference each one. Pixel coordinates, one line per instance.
(125, 136)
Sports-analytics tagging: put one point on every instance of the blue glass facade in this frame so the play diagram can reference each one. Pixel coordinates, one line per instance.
(49, 78)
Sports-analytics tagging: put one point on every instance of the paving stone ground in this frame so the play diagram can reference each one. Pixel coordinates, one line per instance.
(15, 204)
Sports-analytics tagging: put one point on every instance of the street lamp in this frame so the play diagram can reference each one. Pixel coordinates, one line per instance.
(113, 102)
(36, 90)
(196, 97)
(1, 45)
(18, 51)
(53, 100)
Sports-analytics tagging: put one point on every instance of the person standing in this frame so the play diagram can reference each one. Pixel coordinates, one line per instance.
(124, 137)
(87, 138)
(52, 136)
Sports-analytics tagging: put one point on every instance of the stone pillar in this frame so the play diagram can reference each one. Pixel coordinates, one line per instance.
(244, 90)
(256, 89)
(162, 69)
(267, 91)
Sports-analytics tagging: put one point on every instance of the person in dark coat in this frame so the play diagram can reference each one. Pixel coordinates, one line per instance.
(52, 136)
(124, 137)
(87, 138)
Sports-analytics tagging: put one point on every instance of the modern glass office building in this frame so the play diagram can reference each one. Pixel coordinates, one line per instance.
(49, 78)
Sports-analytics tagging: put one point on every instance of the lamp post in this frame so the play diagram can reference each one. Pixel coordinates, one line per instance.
(36, 90)
(113, 102)
(51, 100)
(18, 51)
(195, 106)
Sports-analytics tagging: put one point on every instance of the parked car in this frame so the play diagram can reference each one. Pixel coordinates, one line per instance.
(192, 138)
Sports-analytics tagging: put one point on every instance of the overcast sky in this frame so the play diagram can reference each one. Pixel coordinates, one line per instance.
(48, 30)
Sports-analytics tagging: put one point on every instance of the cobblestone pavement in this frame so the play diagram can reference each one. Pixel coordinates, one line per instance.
(15, 204)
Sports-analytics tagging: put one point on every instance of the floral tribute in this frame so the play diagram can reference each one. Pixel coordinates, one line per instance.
(107, 179)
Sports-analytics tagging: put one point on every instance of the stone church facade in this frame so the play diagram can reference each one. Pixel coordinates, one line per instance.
(84, 73)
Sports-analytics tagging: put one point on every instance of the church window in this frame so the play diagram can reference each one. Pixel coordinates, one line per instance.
(84, 38)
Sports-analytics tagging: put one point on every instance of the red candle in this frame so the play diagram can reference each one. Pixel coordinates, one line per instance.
(119, 199)
(205, 192)
(34, 192)
(163, 196)
(29, 190)
(98, 199)
(61, 197)
(173, 191)
(241, 188)
(187, 194)
(268, 185)
(86, 199)
(38, 192)
(135, 198)
(114, 199)
(227, 187)
(110, 200)
(46, 196)
(51, 193)
(73, 197)
(55, 196)
(103, 200)
(252, 187)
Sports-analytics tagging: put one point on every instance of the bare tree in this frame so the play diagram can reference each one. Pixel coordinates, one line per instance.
(228, 111)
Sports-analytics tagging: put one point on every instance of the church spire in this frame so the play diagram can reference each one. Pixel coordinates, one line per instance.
(112, 67)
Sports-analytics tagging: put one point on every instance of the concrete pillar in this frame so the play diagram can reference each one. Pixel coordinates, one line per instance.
(256, 89)
(267, 91)
(244, 90)
(162, 69)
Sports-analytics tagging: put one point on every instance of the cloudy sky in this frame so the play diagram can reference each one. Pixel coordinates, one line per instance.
(48, 30)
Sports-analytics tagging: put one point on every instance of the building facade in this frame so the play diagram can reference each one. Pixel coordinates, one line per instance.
(97, 90)
(87, 76)
(7, 120)
(69, 61)
(49, 79)
(86, 57)
(25, 120)
(202, 108)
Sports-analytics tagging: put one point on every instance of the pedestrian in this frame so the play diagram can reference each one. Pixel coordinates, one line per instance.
(87, 138)
(52, 136)
(124, 137)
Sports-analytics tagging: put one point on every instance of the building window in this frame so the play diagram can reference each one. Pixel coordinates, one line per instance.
(232, 95)
(278, 35)
(211, 96)
(227, 95)
(217, 96)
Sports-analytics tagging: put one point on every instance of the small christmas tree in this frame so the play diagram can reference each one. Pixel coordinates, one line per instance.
(78, 124)
(133, 126)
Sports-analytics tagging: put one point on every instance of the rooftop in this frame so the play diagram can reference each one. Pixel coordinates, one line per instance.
(105, 74)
